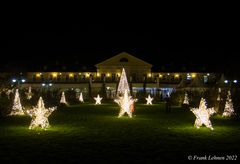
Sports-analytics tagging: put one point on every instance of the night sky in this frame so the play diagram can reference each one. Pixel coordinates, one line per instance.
(82, 45)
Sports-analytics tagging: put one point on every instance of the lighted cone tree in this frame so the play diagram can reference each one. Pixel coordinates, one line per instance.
(124, 100)
(186, 99)
(98, 99)
(17, 108)
(29, 93)
(123, 84)
(228, 110)
(126, 104)
(63, 99)
(203, 115)
(40, 115)
(149, 100)
(81, 97)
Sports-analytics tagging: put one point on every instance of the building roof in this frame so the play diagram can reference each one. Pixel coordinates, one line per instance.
(123, 59)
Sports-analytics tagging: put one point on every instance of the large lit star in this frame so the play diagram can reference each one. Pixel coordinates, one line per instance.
(203, 114)
(126, 104)
(40, 115)
(98, 99)
(149, 100)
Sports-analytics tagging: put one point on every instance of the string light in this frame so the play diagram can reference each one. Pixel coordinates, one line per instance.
(98, 99)
(228, 110)
(149, 100)
(63, 99)
(126, 104)
(81, 97)
(17, 108)
(29, 93)
(186, 99)
(123, 83)
(203, 114)
(40, 115)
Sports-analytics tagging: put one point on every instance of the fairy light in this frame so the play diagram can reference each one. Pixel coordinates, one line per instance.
(29, 94)
(40, 115)
(228, 109)
(98, 99)
(63, 99)
(203, 114)
(149, 100)
(126, 104)
(81, 97)
(186, 99)
(17, 108)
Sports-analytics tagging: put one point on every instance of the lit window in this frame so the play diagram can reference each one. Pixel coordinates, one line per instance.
(70, 74)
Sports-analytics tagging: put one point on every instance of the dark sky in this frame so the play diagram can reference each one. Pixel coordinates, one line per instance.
(87, 44)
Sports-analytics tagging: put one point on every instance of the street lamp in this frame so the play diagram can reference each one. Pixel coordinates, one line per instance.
(17, 81)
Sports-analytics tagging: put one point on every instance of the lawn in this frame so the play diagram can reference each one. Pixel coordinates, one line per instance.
(93, 133)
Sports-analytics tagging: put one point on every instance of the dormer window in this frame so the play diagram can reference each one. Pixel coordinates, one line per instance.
(123, 60)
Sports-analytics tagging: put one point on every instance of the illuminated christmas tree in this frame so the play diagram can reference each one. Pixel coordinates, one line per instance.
(98, 99)
(203, 114)
(40, 115)
(123, 84)
(63, 99)
(81, 97)
(29, 93)
(228, 110)
(186, 99)
(149, 100)
(17, 108)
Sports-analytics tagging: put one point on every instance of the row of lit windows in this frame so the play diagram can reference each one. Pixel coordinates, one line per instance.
(71, 75)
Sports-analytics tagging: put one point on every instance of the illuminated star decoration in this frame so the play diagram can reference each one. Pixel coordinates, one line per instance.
(63, 99)
(17, 108)
(186, 100)
(40, 115)
(81, 97)
(228, 110)
(98, 99)
(126, 104)
(29, 93)
(149, 100)
(203, 114)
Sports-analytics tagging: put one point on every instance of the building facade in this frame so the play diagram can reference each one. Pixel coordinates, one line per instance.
(139, 74)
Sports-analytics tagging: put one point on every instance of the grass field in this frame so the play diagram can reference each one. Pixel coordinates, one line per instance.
(93, 133)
